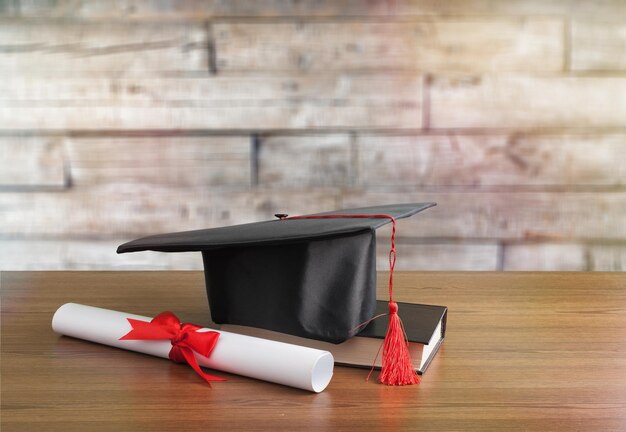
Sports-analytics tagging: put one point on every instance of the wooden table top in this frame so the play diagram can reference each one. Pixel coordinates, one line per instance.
(523, 351)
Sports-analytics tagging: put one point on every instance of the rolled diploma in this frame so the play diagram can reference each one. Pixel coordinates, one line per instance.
(277, 362)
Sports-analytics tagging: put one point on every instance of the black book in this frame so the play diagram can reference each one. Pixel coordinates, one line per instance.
(425, 326)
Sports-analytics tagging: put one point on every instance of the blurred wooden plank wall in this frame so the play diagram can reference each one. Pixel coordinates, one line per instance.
(125, 118)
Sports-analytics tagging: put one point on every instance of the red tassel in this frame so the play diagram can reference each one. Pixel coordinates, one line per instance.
(397, 367)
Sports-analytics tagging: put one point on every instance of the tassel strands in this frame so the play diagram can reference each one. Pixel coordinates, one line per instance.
(397, 366)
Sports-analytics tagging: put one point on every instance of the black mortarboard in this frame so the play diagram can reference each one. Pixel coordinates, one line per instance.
(313, 278)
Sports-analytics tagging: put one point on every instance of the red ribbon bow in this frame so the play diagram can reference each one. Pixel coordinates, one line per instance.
(184, 337)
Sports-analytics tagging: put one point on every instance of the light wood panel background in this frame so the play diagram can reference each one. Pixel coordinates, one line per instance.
(125, 118)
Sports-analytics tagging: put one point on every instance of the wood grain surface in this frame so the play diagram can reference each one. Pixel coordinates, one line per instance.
(244, 103)
(524, 351)
(166, 10)
(478, 46)
(121, 118)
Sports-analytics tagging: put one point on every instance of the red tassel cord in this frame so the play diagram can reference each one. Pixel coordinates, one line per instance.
(397, 366)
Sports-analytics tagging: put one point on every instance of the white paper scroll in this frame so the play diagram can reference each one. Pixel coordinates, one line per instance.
(281, 363)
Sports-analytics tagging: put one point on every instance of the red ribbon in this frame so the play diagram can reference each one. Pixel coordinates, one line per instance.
(184, 337)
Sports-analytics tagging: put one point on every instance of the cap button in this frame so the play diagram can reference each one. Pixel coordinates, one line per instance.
(281, 216)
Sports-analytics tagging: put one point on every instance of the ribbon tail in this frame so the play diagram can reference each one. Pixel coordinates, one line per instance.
(191, 360)
(144, 330)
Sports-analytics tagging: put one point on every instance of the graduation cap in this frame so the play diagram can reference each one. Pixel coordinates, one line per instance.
(312, 276)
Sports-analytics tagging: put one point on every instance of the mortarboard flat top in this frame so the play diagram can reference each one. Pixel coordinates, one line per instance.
(312, 278)
(272, 231)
